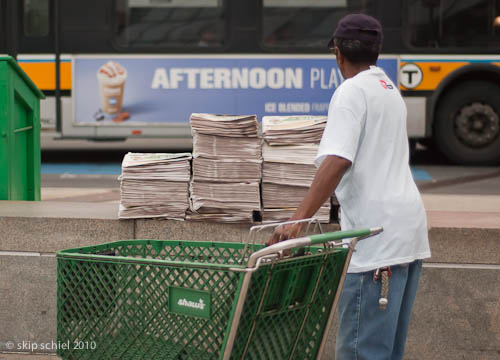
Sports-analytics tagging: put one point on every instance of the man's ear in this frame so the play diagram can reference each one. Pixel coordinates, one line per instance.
(340, 58)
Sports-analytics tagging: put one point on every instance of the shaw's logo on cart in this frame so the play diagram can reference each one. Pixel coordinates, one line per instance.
(189, 302)
(195, 305)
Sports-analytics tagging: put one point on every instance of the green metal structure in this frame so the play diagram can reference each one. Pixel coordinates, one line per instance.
(152, 299)
(19, 133)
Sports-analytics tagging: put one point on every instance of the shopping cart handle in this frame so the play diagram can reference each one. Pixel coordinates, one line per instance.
(309, 240)
(347, 234)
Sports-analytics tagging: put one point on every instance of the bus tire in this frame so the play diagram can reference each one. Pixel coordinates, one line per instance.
(467, 124)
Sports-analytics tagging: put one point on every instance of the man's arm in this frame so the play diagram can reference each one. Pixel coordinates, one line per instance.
(325, 182)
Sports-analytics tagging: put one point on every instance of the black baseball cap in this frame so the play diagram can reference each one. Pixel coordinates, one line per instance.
(360, 27)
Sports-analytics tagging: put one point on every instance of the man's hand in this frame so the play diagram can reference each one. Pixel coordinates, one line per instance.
(285, 232)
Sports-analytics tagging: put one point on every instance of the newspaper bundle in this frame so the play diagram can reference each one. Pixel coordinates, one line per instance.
(225, 196)
(293, 130)
(227, 168)
(291, 145)
(210, 146)
(225, 125)
(154, 185)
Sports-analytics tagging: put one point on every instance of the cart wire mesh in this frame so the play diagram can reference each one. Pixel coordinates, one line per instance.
(117, 300)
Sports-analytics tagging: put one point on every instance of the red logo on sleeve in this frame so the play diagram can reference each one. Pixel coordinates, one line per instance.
(385, 85)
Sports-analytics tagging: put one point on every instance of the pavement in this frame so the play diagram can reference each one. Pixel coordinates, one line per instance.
(465, 211)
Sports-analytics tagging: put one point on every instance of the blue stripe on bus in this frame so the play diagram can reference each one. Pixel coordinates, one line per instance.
(82, 168)
(115, 169)
(420, 175)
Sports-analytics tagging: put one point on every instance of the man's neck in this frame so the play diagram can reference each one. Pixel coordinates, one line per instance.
(353, 70)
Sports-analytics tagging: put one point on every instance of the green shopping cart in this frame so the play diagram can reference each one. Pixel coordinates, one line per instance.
(154, 299)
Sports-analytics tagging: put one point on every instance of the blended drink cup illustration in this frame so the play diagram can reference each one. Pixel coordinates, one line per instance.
(111, 77)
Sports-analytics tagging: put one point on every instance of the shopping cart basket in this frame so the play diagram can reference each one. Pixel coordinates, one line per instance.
(153, 299)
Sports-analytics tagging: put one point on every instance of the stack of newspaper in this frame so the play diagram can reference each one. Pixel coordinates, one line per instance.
(293, 130)
(210, 146)
(227, 168)
(291, 145)
(155, 185)
(224, 125)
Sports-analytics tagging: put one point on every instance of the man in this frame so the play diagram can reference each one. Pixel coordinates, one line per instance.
(363, 156)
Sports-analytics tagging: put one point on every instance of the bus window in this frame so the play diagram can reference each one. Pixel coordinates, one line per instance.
(305, 23)
(453, 23)
(170, 23)
(36, 18)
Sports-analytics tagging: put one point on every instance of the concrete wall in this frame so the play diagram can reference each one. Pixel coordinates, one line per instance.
(456, 315)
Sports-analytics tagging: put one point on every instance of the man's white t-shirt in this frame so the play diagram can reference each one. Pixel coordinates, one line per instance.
(367, 125)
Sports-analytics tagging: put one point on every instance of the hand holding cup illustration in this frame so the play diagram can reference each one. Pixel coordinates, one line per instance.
(111, 77)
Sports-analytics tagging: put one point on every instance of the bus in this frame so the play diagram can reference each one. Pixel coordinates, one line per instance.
(119, 69)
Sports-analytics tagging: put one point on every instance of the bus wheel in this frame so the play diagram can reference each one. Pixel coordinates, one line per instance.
(467, 124)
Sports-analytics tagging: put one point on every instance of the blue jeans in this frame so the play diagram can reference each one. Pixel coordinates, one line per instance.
(366, 332)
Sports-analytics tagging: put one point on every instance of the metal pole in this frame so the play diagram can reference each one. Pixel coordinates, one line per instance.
(57, 51)
(11, 20)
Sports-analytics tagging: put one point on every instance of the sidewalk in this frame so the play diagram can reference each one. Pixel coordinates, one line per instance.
(466, 211)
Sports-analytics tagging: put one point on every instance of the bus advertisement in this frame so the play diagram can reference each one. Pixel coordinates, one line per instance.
(166, 90)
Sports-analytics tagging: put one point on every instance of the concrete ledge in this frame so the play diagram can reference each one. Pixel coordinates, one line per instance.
(197, 231)
(47, 235)
(46, 227)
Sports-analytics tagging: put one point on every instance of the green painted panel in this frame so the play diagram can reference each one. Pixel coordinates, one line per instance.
(4, 131)
(19, 134)
(21, 143)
